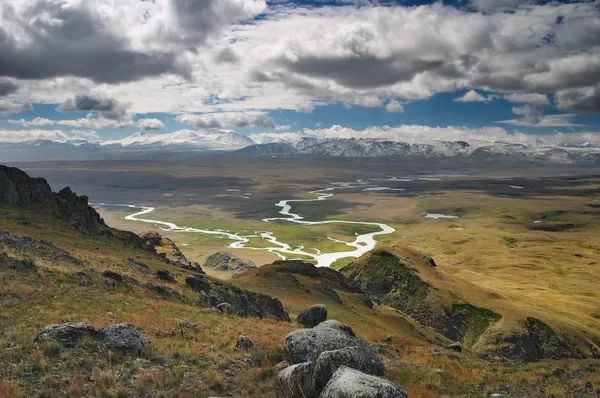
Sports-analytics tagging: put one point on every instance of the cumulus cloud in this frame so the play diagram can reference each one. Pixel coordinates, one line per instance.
(581, 100)
(108, 107)
(394, 107)
(7, 86)
(38, 121)
(150, 124)
(9, 107)
(227, 120)
(473, 96)
(528, 98)
(305, 107)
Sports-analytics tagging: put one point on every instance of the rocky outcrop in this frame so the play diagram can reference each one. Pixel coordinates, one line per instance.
(122, 338)
(19, 265)
(312, 316)
(244, 343)
(350, 383)
(317, 354)
(165, 275)
(241, 301)
(223, 261)
(27, 245)
(169, 251)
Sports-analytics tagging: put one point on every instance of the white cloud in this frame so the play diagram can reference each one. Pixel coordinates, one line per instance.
(150, 124)
(394, 107)
(305, 107)
(533, 116)
(528, 98)
(265, 138)
(16, 136)
(38, 121)
(91, 122)
(473, 96)
(227, 120)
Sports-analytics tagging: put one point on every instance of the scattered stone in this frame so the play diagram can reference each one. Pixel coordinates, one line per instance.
(350, 383)
(455, 347)
(440, 371)
(164, 275)
(429, 261)
(113, 275)
(83, 278)
(244, 343)
(353, 357)
(312, 316)
(190, 326)
(496, 395)
(28, 245)
(164, 291)
(123, 338)
(68, 333)
(139, 266)
(109, 283)
(197, 283)
(388, 340)
(223, 261)
(225, 308)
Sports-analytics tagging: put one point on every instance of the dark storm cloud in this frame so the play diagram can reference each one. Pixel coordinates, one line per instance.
(7, 87)
(108, 107)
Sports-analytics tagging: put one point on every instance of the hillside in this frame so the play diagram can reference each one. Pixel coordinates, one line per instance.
(60, 263)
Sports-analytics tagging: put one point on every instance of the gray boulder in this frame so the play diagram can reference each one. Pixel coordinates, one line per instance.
(225, 308)
(19, 265)
(223, 261)
(353, 357)
(113, 275)
(306, 345)
(351, 383)
(165, 275)
(68, 333)
(295, 381)
(312, 316)
(123, 338)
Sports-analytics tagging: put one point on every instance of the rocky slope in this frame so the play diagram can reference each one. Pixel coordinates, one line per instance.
(224, 261)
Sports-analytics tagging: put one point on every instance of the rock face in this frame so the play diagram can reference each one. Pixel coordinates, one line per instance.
(295, 381)
(223, 261)
(197, 283)
(312, 316)
(350, 383)
(122, 338)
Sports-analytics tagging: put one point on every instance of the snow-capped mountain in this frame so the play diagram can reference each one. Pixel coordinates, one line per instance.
(209, 140)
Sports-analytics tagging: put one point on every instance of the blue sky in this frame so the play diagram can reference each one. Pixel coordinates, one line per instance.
(293, 66)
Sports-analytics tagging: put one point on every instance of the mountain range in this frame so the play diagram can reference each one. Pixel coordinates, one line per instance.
(186, 141)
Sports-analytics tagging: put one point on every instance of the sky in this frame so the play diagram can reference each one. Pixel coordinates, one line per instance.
(106, 69)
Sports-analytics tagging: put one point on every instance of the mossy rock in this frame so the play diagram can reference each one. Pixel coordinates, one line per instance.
(472, 321)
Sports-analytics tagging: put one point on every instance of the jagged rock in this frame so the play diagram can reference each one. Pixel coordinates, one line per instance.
(312, 316)
(190, 326)
(350, 383)
(164, 275)
(454, 347)
(113, 275)
(123, 338)
(244, 343)
(428, 260)
(352, 357)
(164, 291)
(306, 345)
(69, 333)
(19, 265)
(109, 283)
(295, 381)
(223, 261)
(197, 283)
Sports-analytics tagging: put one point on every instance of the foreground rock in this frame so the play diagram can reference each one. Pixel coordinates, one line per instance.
(122, 338)
(244, 343)
(223, 261)
(350, 383)
(312, 316)
(316, 355)
(19, 265)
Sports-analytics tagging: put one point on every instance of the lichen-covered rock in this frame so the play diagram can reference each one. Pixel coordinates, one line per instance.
(19, 265)
(295, 381)
(152, 238)
(190, 326)
(165, 275)
(223, 261)
(353, 357)
(351, 383)
(312, 316)
(164, 291)
(68, 333)
(29, 246)
(306, 345)
(123, 338)
(113, 275)
(244, 343)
